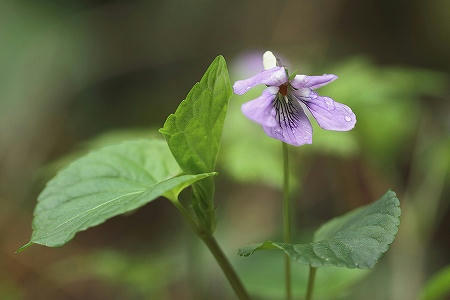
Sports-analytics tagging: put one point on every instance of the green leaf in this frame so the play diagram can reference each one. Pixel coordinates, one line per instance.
(107, 138)
(293, 74)
(354, 240)
(129, 271)
(194, 131)
(395, 99)
(438, 286)
(104, 184)
(263, 276)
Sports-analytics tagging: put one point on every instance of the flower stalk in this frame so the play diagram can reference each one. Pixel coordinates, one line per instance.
(311, 278)
(287, 234)
(281, 112)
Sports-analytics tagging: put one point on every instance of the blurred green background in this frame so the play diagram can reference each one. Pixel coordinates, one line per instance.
(76, 75)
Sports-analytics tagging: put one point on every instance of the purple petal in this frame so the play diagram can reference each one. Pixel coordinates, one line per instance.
(273, 77)
(330, 115)
(313, 82)
(261, 110)
(294, 129)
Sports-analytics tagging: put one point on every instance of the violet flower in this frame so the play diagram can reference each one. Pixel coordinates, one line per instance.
(280, 108)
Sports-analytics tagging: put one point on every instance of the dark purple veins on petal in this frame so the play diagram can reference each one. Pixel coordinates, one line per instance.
(287, 114)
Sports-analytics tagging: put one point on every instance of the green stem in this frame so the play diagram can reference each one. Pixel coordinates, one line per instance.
(286, 219)
(217, 252)
(312, 276)
(227, 268)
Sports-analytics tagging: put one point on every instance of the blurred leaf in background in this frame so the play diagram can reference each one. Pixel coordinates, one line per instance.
(263, 275)
(137, 274)
(438, 286)
(106, 139)
(386, 102)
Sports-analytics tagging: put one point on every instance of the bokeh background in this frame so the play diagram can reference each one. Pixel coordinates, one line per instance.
(77, 75)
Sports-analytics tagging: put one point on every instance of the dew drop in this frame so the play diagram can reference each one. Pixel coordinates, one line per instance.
(301, 78)
(304, 92)
(330, 105)
(347, 118)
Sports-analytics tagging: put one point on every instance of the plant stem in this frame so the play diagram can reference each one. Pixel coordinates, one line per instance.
(312, 276)
(227, 268)
(217, 252)
(286, 219)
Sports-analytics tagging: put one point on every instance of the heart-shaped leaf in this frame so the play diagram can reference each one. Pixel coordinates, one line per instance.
(194, 131)
(104, 184)
(354, 240)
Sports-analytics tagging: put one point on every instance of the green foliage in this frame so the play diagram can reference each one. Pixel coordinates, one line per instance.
(354, 240)
(135, 275)
(103, 184)
(263, 276)
(438, 287)
(9, 290)
(250, 156)
(105, 139)
(194, 131)
(393, 93)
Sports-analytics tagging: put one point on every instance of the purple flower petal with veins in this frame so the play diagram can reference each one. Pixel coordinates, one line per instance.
(279, 111)
(292, 126)
(274, 77)
(261, 109)
(329, 114)
(313, 82)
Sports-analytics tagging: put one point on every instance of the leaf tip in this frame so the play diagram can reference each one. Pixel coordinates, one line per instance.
(245, 252)
(221, 59)
(24, 247)
(162, 130)
(396, 202)
(166, 129)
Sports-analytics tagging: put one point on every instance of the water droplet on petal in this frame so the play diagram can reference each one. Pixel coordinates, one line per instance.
(301, 78)
(347, 118)
(329, 103)
(304, 92)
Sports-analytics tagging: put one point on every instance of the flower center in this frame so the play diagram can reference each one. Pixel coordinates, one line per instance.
(283, 89)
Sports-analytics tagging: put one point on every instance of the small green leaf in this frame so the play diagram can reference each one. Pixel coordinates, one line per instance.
(194, 131)
(293, 74)
(104, 184)
(438, 287)
(354, 240)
